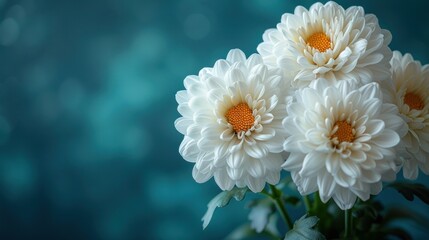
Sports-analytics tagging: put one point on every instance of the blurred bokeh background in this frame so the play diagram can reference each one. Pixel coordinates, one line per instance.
(88, 149)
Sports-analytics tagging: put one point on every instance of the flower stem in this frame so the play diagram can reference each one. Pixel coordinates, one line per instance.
(307, 204)
(276, 195)
(348, 224)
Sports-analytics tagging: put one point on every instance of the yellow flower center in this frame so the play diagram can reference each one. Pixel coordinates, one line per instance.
(344, 132)
(319, 41)
(414, 101)
(240, 117)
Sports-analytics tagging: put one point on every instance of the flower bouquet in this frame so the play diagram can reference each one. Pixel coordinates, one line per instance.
(325, 108)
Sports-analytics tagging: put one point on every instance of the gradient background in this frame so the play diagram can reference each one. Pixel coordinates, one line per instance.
(88, 149)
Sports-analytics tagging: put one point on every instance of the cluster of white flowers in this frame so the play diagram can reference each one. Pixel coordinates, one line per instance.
(325, 99)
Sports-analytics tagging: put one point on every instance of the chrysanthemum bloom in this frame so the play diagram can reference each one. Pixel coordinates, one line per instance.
(341, 141)
(232, 122)
(410, 92)
(328, 42)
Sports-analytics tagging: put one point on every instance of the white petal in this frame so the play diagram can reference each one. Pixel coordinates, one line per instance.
(307, 185)
(372, 107)
(197, 103)
(294, 162)
(374, 126)
(272, 103)
(235, 160)
(254, 60)
(256, 169)
(273, 177)
(181, 97)
(350, 168)
(210, 131)
(191, 80)
(370, 176)
(189, 149)
(291, 143)
(273, 161)
(255, 184)
(313, 162)
(236, 55)
(343, 179)
(184, 110)
(372, 59)
(387, 139)
(221, 151)
(344, 198)
(275, 144)
(220, 68)
(199, 176)
(333, 163)
(182, 124)
(267, 134)
(255, 150)
(326, 186)
(358, 156)
(410, 169)
(223, 181)
(235, 75)
(227, 135)
(235, 173)
(267, 118)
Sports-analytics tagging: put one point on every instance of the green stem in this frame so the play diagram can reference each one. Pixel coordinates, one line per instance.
(307, 204)
(348, 224)
(266, 193)
(319, 209)
(277, 197)
(317, 202)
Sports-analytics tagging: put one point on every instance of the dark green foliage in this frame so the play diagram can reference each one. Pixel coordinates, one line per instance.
(409, 190)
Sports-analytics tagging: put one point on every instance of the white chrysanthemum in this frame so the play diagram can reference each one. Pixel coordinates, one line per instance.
(232, 122)
(328, 42)
(341, 141)
(410, 93)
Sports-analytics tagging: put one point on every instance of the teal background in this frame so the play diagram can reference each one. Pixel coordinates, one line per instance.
(88, 149)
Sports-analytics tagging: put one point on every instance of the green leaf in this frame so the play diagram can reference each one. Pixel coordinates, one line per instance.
(303, 229)
(366, 210)
(221, 200)
(409, 190)
(364, 224)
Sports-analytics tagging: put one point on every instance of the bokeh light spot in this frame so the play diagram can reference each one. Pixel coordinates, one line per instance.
(9, 31)
(197, 26)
